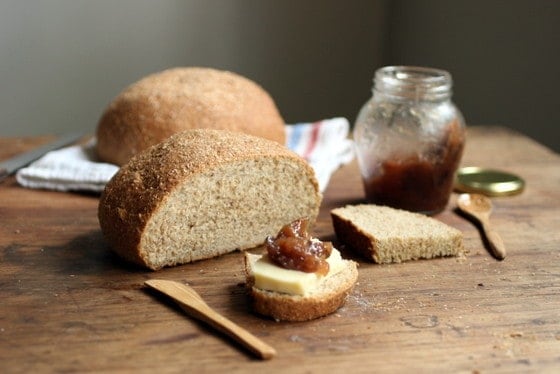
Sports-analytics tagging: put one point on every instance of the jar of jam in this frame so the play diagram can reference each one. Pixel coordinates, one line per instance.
(409, 139)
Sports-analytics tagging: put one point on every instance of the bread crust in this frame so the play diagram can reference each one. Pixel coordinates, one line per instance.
(295, 308)
(162, 104)
(143, 185)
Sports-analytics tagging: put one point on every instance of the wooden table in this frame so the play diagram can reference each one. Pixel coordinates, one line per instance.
(68, 304)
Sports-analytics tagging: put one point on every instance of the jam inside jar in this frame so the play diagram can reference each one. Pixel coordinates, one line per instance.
(409, 139)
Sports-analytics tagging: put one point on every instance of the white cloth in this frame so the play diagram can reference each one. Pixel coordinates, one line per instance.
(73, 168)
(324, 144)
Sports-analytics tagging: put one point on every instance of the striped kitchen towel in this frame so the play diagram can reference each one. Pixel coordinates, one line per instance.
(324, 144)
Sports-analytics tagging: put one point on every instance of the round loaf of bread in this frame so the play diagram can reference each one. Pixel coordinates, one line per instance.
(162, 104)
(202, 193)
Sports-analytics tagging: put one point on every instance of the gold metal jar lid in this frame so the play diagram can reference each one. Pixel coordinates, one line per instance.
(488, 182)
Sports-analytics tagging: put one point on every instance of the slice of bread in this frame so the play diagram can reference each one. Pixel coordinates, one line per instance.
(165, 103)
(203, 193)
(328, 297)
(387, 235)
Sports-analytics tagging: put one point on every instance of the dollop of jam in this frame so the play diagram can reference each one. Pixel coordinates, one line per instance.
(294, 248)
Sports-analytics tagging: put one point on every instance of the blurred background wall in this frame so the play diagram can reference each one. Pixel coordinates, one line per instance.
(62, 61)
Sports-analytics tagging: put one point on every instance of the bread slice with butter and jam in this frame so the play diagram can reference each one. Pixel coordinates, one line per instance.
(285, 293)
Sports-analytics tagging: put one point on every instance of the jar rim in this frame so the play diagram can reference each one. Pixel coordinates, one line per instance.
(414, 82)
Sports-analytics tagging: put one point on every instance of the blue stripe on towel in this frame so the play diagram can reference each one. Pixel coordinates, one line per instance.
(295, 136)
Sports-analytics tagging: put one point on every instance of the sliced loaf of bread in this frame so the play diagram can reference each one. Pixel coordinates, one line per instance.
(387, 235)
(203, 193)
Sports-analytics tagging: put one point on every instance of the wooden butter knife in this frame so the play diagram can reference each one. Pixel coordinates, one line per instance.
(191, 302)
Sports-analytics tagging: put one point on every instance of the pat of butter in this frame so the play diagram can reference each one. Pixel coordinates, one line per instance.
(271, 277)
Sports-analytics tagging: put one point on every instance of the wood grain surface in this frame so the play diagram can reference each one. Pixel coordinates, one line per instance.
(67, 304)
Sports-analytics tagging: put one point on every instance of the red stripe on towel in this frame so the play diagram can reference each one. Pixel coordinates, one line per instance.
(314, 136)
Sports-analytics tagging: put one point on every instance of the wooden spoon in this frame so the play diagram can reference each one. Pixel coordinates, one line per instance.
(192, 303)
(479, 207)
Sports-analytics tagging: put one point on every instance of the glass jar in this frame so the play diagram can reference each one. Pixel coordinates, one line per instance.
(409, 139)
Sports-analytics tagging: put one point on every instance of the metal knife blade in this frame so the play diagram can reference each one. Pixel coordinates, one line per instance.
(13, 164)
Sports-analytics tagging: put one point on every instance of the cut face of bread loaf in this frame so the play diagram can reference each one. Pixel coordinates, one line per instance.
(203, 193)
(162, 104)
(326, 298)
(387, 235)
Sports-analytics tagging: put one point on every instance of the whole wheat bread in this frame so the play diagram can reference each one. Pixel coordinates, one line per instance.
(387, 235)
(326, 299)
(164, 103)
(203, 193)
